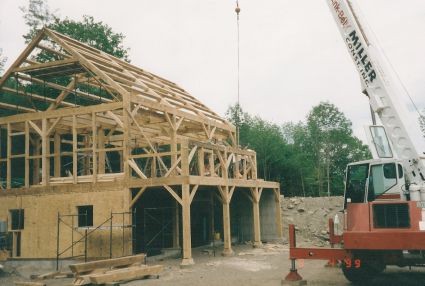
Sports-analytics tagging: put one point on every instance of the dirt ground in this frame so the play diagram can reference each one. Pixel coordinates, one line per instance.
(265, 266)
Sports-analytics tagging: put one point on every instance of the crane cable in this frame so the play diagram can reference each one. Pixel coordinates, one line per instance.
(238, 108)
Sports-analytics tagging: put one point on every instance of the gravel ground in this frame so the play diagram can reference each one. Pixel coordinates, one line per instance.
(264, 266)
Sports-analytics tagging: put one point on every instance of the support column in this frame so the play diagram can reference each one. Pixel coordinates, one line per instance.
(44, 153)
(27, 155)
(36, 162)
(101, 154)
(256, 217)
(8, 159)
(227, 248)
(187, 240)
(176, 226)
(278, 215)
(57, 157)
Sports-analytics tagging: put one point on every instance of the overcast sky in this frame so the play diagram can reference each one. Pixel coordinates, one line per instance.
(292, 56)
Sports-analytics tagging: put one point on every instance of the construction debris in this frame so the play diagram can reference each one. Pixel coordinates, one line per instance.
(310, 216)
(113, 270)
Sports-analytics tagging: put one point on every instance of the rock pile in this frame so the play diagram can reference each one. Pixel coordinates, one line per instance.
(310, 217)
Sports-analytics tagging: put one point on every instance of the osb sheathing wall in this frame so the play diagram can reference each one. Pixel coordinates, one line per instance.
(67, 110)
(39, 236)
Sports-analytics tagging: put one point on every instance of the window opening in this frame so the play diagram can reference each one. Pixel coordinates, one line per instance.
(85, 216)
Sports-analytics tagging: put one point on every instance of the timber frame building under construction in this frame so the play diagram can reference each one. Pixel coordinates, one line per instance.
(101, 158)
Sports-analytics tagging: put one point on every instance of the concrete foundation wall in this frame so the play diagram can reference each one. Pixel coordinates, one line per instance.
(39, 236)
(268, 216)
(241, 217)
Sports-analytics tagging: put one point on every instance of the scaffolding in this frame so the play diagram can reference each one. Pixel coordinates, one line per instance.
(83, 234)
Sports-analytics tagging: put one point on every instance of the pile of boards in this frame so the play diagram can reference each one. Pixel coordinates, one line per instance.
(114, 270)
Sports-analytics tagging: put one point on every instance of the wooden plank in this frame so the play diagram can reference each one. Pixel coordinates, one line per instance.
(79, 268)
(20, 283)
(126, 274)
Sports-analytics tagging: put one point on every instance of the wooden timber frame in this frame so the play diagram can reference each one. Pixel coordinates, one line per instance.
(67, 102)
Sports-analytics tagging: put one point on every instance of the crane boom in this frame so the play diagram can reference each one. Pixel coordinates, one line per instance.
(379, 86)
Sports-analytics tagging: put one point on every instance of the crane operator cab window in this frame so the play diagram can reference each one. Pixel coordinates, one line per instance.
(382, 179)
(357, 177)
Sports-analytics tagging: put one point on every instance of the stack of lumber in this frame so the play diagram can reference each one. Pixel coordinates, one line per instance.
(113, 270)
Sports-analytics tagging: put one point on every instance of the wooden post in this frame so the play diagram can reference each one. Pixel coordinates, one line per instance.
(176, 226)
(36, 163)
(153, 166)
(187, 240)
(8, 159)
(256, 217)
(94, 148)
(27, 154)
(44, 151)
(101, 154)
(74, 150)
(227, 235)
(57, 157)
(201, 165)
(173, 147)
(278, 215)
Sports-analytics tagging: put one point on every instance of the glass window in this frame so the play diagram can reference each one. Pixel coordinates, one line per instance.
(381, 179)
(356, 183)
(381, 142)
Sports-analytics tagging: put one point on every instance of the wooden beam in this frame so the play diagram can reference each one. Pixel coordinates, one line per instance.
(193, 192)
(45, 65)
(174, 194)
(63, 112)
(81, 268)
(64, 93)
(125, 274)
(136, 168)
(115, 117)
(22, 56)
(139, 194)
(35, 127)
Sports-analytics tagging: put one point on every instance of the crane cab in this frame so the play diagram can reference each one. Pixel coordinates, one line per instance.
(371, 180)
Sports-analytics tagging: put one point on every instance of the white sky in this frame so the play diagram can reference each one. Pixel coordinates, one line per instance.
(292, 56)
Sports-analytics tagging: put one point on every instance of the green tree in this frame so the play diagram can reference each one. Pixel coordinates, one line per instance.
(94, 33)
(422, 122)
(306, 158)
(262, 136)
(36, 15)
(331, 145)
(3, 60)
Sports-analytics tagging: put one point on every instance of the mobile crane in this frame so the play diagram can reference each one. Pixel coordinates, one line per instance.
(384, 198)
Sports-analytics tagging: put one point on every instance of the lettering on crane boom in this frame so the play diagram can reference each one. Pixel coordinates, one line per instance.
(340, 13)
(360, 57)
